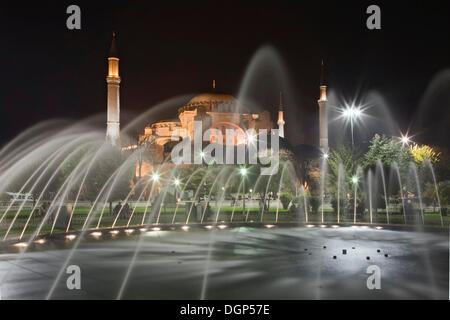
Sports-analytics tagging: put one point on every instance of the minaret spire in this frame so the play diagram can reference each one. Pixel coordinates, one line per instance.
(281, 102)
(113, 100)
(321, 74)
(280, 121)
(323, 114)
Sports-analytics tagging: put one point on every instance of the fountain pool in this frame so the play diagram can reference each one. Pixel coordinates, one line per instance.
(235, 262)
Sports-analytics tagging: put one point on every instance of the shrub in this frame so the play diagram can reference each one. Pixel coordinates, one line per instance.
(286, 198)
(314, 202)
(342, 204)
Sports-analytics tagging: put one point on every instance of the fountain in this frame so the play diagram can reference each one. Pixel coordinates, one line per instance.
(89, 203)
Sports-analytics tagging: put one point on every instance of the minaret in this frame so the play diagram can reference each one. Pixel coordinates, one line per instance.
(323, 116)
(113, 81)
(280, 121)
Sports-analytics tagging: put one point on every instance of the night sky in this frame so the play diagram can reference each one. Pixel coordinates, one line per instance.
(171, 48)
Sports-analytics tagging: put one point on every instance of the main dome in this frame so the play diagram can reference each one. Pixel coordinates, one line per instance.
(214, 102)
(212, 97)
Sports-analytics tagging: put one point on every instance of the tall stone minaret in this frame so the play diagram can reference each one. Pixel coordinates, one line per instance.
(280, 121)
(323, 116)
(113, 81)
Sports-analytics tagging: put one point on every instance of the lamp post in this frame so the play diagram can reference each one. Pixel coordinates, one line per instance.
(176, 182)
(355, 183)
(155, 178)
(243, 172)
(156, 206)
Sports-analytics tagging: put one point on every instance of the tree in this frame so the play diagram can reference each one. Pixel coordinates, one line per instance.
(349, 158)
(103, 168)
(423, 152)
(442, 167)
(429, 195)
(423, 156)
(306, 157)
(444, 193)
(387, 150)
(314, 201)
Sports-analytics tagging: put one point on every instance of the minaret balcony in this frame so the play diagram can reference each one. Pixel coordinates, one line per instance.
(114, 79)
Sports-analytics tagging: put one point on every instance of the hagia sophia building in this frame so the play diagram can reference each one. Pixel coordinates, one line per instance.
(216, 110)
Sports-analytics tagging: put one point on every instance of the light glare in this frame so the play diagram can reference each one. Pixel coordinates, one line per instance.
(70, 236)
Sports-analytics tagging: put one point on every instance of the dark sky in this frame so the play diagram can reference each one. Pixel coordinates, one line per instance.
(173, 48)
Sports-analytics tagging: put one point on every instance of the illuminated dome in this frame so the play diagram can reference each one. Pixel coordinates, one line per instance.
(206, 98)
(214, 102)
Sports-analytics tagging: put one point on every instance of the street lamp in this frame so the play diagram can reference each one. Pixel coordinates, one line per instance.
(352, 114)
(155, 177)
(250, 138)
(243, 172)
(355, 183)
(176, 182)
(405, 140)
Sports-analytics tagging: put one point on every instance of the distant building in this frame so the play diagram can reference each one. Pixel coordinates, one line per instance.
(214, 109)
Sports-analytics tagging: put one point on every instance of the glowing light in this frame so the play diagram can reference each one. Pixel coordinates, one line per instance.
(40, 241)
(156, 229)
(335, 226)
(323, 226)
(70, 236)
(143, 229)
(405, 140)
(21, 244)
(155, 176)
(378, 228)
(243, 171)
(352, 112)
(176, 182)
(310, 226)
(129, 231)
(202, 154)
(185, 228)
(221, 227)
(251, 190)
(96, 234)
(114, 232)
(364, 227)
(354, 179)
(251, 138)
(208, 227)
(325, 155)
(269, 226)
